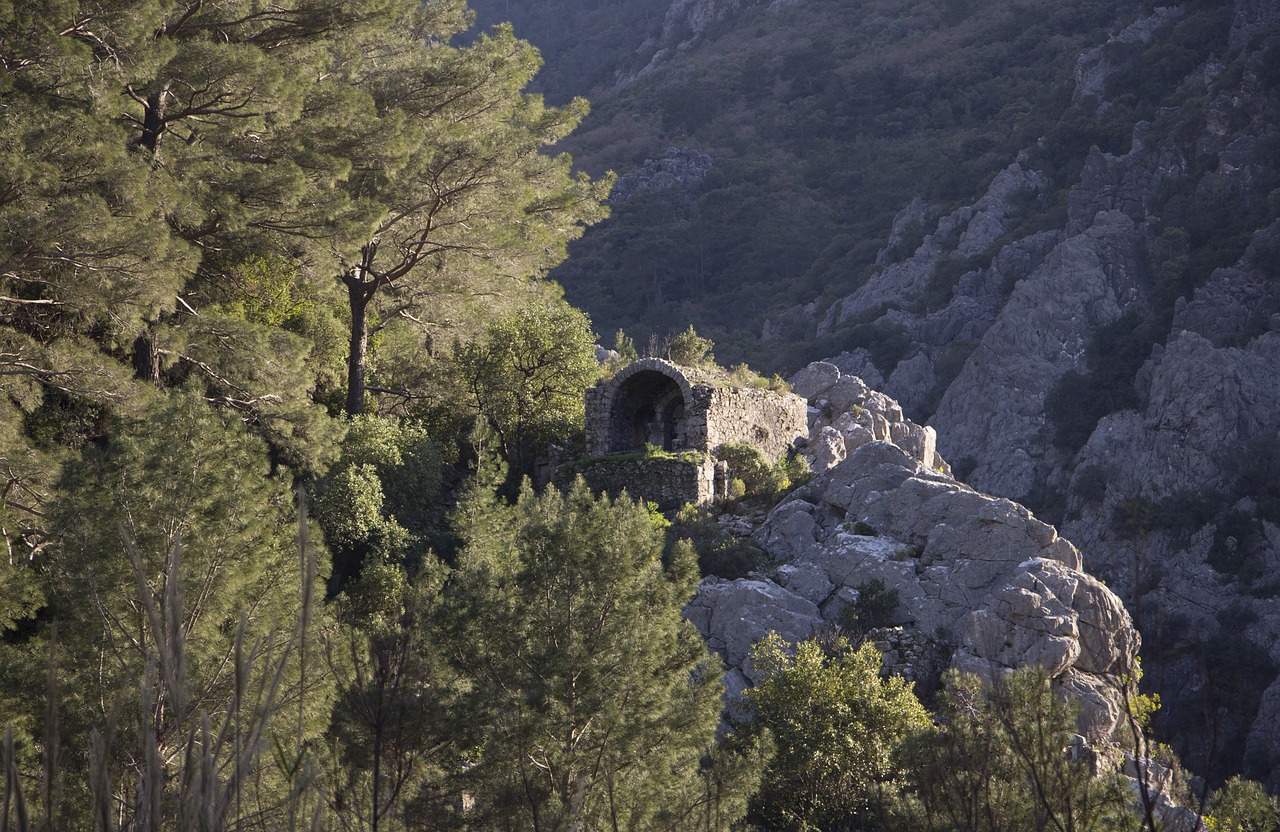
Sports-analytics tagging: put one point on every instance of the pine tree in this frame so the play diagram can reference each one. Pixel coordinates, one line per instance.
(177, 577)
(473, 206)
(592, 704)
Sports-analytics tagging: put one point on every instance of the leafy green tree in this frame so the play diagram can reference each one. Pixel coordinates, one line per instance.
(395, 757)
(835, 724)
(382, 501)
(1243, 806)
(593, 703)
(525, 376)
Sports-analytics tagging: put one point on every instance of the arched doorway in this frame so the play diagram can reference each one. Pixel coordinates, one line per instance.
(648, 408)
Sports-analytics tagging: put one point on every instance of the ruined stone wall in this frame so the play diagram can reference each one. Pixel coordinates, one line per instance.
(768, 420)
(654, 403)
(670, 483)
(610, 407)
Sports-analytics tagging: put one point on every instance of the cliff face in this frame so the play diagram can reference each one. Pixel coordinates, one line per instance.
(1094, 332)
(1120, 371)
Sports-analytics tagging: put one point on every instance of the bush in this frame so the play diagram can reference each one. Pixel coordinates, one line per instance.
(748, 465)
(873, 609)
(720, 553)
(691, 349)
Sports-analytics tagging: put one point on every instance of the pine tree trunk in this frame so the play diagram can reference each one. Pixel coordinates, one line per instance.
(153, 120)
(357, 353)
(146, 356)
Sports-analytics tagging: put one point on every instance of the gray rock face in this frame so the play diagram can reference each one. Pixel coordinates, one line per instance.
(979, 579)
(994, 412)
(975, 227)
(681, 169)
(845, 414)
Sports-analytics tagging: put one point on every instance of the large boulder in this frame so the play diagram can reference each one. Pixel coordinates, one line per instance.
(845, 414)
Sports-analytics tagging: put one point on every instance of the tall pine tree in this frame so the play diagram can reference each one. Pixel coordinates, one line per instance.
(593, 703)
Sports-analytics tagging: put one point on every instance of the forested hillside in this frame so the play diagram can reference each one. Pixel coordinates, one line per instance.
(1047, 229)
(278, 355)
(823, 120)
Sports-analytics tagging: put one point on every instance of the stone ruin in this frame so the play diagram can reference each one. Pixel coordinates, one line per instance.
(688, 413)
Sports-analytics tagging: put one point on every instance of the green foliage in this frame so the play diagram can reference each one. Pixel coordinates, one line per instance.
(743, 376)
(1243, 806)
(996, 763)
(874, 607)
(747, 463)
(720, 553)
(691, 349)
(525, 375)
(759, 478)
(382, 502)
(176, 547)
(391, 726)
(593, 701)
(476, 206)
(835, 724)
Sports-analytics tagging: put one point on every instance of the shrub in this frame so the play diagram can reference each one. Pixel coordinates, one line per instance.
(874, 608)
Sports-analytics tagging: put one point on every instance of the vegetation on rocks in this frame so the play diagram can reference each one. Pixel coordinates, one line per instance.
(276, 357)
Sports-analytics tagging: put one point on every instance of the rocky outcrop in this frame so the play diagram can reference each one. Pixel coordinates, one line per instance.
(966, 232)
(979, 580)
(681, 169)
(994, 412)
(845, 414)
(1095, 65)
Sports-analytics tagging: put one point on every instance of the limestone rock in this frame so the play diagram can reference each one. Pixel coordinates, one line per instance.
(981, 582)
(994, 412)
(846, 414)
(681, 169)
(734, 615)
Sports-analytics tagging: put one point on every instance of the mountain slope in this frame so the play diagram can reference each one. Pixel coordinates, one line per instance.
(1051, 233)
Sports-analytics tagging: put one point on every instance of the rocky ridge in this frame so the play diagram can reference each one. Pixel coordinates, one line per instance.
(1172, 495)
(982, 585)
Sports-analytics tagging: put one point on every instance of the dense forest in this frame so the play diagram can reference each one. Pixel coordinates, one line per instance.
(277, 352)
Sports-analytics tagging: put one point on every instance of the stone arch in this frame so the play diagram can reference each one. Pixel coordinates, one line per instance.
(649, 402)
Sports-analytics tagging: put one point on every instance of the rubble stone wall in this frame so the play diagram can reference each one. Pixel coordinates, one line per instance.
(770, 421)
(670, 483)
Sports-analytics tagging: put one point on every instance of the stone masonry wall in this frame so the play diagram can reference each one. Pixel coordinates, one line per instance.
(770, 421)
(668, 482)
(654, 403)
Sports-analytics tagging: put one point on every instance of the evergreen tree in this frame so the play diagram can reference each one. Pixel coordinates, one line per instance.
(593, 704)
(396, 755)
(473, 206)
(177, 576)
